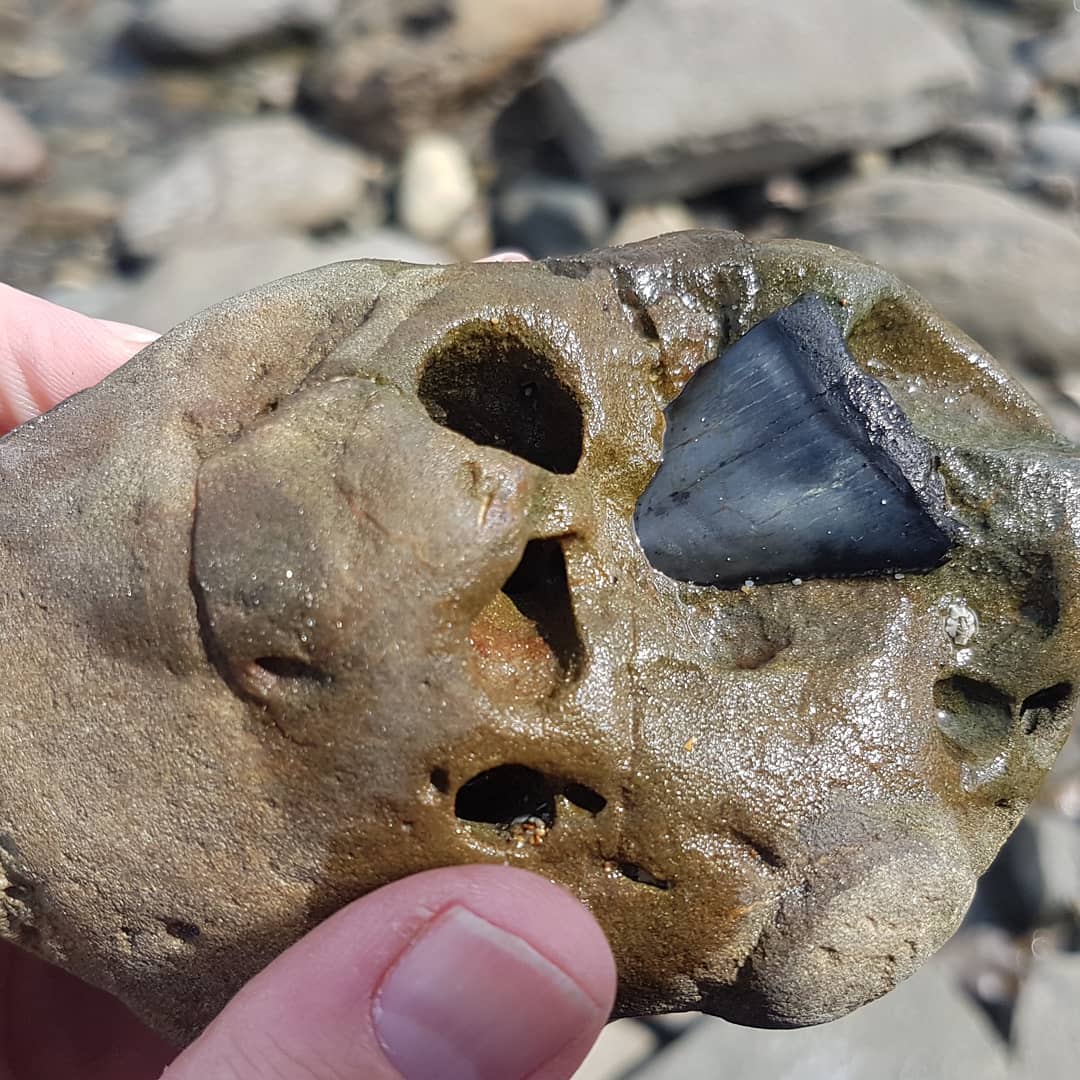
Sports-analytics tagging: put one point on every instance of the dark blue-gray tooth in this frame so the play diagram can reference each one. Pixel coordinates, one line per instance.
(783, 459)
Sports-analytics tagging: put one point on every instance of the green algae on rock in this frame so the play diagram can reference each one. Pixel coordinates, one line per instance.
(340, 581)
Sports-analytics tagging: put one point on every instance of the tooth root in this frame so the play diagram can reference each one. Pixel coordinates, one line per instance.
(783, 459)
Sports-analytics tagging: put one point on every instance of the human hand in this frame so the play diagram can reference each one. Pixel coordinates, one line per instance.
(473, 972)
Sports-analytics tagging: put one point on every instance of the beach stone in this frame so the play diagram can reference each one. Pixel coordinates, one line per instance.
(1046, 1034)
(1058, 56)
(210, 28)
(387, 71)
(641, 221)
(438, 187)
(342, 584)
(1055, 144)
(548, 215)
(924, 1029)
(1001, 267)
(244, 179)
(22, 150)
(684, 118)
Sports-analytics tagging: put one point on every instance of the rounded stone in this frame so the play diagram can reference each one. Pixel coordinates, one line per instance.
(342, 583)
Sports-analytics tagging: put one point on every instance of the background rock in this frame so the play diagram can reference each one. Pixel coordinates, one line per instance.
(1047, 1034)
(438, 189)
(244, 179)
(22, 150)
(214, 27)
(548, 215)
(1004, 270)
(696, 109)
(925, 1028)
(385, 72)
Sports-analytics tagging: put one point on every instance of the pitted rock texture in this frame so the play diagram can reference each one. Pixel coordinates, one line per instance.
(339, 581)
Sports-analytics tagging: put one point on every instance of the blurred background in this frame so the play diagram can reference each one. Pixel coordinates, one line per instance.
(159, 155)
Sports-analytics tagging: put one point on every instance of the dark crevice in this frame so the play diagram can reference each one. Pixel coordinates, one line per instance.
(973, 715)
(183, 931)
(440, 781)
(499, 388)
(642, 876)
(539, 589)
(1049, 705)
(765, 854)
(584, 797)
(1039, 602)
(505, 795)
(285, 667)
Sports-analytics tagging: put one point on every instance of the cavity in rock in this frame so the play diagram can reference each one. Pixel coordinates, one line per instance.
(783, 459)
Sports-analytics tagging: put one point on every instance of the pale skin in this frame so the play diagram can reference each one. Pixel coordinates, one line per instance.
(528, 981)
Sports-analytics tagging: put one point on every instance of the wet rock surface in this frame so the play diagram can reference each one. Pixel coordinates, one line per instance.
(778, 811)
(115, 114)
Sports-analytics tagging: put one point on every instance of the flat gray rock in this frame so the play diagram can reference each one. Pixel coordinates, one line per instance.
(923, 1030)
(1058, 57)
(724, 91)
(1045, 1028)
(1001, 267)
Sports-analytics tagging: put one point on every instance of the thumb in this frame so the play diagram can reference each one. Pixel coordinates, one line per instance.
(48, 352)
(464, 973)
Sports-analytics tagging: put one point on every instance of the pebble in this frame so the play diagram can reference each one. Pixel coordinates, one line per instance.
(697, 108)
(644, 220)
(438, 187)
(245, 179)
(547, 215)
(1057, 57)
(22, 150)
(209, 28)
(1056, 144)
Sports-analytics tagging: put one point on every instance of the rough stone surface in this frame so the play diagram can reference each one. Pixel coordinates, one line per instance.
(692, 111)
(342, 584)
(245, 179)
(456, 57)
(22, 150)
(1002, 268)
(924, 1030)
(215, 27)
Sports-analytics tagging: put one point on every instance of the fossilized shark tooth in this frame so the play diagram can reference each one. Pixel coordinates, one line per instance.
(339, 581)
(783, 459)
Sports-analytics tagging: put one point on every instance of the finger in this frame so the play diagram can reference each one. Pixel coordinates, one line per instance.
(48, 352)
(464, 973)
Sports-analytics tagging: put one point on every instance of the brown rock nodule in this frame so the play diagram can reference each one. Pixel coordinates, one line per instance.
(339, 581)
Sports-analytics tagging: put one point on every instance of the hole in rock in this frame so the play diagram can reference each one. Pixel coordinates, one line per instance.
(584, 797)
(1049, 705)
(642, 876)
(182, 931)
(440, 781)
(505, 794)
(1039, 602)
(498, 389)
(972, 714)
(284, 667)
(539, 589)
(18, 892)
